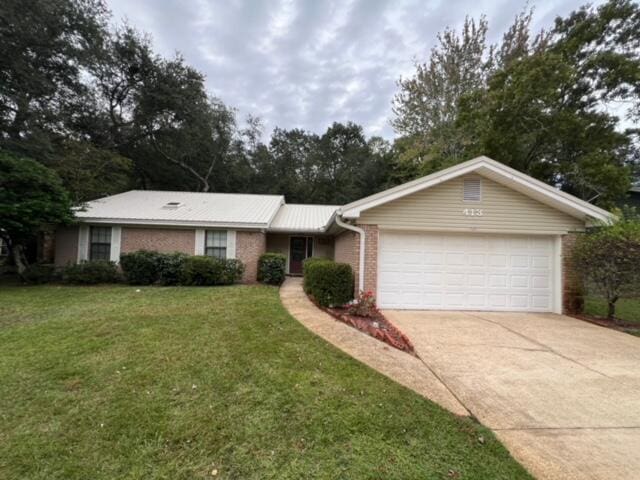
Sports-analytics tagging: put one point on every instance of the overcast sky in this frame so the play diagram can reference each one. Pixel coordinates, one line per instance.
(305, 64)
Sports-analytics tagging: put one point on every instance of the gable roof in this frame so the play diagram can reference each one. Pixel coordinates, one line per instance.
(184, 209)
(303, 218)
(490, 169)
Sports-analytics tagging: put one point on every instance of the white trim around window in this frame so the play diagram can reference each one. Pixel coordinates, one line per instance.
(116, 240)
(231, 244)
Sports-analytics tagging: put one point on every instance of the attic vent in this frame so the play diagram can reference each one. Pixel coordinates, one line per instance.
(172, 205)
(472, 189)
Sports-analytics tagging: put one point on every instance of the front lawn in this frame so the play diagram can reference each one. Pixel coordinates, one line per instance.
(175, 383)
(627, 310)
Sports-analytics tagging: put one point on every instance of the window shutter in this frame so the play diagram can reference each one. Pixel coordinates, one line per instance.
(116, 237)
(83, 243)
(199, 250)
(231, 244)
(472, 189)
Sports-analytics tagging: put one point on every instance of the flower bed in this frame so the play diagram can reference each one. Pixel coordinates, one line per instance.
(364, 316)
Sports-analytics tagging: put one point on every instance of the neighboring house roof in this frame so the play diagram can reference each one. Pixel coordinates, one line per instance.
(184, 209)
(495, 171)
(303, 218)
(635, 188)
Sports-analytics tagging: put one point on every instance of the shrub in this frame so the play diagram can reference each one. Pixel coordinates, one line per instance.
(329, 282)
(608, 258)
(89, 273)
(271, 268)
(306, 264)
(39, 273)
(170, 267)
(200, 270)
(141, 267)
(363, 306)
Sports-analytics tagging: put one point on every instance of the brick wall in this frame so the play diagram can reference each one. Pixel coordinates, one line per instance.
(572, 287)
(370, 258)
(249, 247)
(66, 246)
(165, 240)
(347, 250)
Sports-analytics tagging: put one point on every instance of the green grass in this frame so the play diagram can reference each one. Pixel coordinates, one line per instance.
(627, 309)
(172, 383)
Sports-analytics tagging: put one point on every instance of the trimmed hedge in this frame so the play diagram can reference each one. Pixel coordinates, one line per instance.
(141, 267)
(170, 268)
(328, 282)
(39, 273)
(202, 270)
(271, 268)
(91, 273)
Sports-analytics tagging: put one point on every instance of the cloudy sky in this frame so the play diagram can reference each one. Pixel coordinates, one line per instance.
(309, 63)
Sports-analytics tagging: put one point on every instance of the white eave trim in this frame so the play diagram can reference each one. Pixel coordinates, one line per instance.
(172, 223)
(353, 210)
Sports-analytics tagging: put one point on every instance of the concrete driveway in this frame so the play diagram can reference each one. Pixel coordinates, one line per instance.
(563, 395)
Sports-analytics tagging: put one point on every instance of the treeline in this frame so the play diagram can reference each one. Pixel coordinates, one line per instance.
(97, 105)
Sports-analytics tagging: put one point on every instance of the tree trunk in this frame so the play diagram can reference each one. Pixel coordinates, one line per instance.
(19, 258)
(611, 311)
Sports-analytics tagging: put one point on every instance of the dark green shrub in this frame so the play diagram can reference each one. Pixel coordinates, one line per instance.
(170, 267)
(329, 282)
(141, 267)
(39, 273)
(232, 272)
(271, 268)
(305, 266)
(89, 273)
(201, 270)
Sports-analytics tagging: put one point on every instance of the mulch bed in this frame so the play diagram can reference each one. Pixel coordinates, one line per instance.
(615, 324)
(377, 326)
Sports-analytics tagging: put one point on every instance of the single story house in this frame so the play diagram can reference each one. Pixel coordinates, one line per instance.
(476, 236)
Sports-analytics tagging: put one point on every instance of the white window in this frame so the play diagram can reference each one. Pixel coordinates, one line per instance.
(472, 189)
(216, 244)
(100, 243)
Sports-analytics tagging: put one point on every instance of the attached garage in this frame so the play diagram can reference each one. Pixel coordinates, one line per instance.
(446, 271)
(476, 236)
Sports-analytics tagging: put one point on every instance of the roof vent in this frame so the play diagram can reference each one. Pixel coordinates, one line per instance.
(472, 189)
(172, 206)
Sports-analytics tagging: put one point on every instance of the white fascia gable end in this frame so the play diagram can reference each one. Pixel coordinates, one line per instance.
(494, 171)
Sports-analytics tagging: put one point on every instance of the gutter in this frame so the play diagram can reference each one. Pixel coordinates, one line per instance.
(360, 232)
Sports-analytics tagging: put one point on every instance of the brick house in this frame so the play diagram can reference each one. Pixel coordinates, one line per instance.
(476, 236)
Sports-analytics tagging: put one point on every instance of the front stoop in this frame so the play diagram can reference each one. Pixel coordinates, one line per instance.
(403, 368)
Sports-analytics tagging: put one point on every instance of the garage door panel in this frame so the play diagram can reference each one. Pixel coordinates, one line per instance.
(473, 272)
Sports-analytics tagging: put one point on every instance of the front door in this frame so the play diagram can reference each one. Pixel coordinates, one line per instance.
(300, 248)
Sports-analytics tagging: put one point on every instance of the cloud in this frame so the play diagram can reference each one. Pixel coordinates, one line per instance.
(308, 63)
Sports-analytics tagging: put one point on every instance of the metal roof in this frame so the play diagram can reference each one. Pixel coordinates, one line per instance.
(184, 208)
(303, 218)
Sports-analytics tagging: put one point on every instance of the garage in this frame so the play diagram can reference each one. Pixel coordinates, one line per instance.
(448, 271)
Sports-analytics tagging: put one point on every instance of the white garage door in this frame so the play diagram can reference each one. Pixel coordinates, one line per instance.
(465, 272)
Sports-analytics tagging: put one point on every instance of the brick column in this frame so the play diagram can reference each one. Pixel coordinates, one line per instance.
(249, 247)
(370, 258)
(572, 286)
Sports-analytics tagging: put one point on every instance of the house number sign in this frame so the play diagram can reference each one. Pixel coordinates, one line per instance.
(472, 212)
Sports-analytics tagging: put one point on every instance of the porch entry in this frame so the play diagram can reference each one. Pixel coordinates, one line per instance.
(300, 248)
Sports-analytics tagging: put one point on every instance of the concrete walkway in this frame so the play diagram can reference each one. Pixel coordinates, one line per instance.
(561, 394)
(399, 366)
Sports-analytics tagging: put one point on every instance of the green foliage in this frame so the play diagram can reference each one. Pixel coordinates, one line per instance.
(170, 267)
(141, 267)
(329, 283)
(271, 268)
(39, 273)
(202, 270)
(608, 258)
(91, 273)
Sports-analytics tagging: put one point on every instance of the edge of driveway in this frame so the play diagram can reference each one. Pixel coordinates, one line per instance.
(401, 367)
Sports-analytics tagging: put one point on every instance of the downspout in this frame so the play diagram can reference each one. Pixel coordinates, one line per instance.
(360, 232)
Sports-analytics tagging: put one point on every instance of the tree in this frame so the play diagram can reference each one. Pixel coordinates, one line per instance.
(31, 197)
(608, 258)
